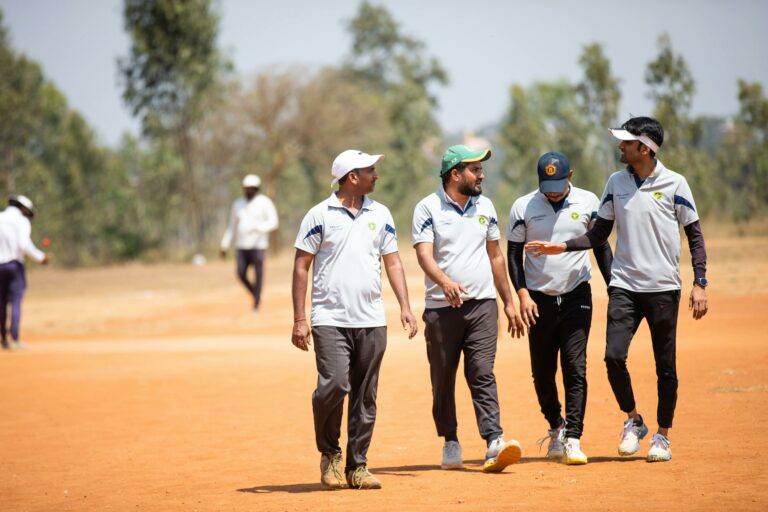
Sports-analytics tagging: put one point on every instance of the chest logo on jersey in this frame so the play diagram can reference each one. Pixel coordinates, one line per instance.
(658, 196)
(482, 220)
(575, 216)
(550, 170)
(371, 226)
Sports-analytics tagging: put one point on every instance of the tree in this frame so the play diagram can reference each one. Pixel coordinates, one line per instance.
(172, 68)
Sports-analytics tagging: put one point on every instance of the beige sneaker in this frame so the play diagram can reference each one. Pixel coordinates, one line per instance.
(361, 478)
(330, 472)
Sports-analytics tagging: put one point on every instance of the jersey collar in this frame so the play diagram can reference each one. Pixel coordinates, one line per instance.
(446, 199)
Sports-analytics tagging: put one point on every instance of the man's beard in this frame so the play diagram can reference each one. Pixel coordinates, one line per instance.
(466, 190)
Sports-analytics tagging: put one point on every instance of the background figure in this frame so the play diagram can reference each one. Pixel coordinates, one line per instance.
(556, 298)
(251, 220)
(15, 243)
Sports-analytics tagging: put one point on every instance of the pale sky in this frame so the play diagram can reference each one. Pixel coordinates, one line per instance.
(485, 45)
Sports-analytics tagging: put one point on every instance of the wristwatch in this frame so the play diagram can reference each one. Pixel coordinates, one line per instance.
(701, 281)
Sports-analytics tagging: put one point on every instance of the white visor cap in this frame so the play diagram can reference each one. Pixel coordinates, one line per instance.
(625, 135)
(350, 160)
(251, 181)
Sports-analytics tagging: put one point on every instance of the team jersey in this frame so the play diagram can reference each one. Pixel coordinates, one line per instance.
(346, 273)
(250, 223)
(648, 216)
(459, 237)
(534, 217)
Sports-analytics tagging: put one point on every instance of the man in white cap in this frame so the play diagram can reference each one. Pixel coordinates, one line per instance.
(15, 244)
(456, 235)
(648, 203)
(345, 238)
(252, 218)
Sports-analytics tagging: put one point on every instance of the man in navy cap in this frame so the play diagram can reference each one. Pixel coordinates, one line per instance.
(555, 297)
(15, 244)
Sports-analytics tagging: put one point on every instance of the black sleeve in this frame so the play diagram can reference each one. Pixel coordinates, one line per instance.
(604, 258)
(698, 249)
(515, 252)
(592, 238)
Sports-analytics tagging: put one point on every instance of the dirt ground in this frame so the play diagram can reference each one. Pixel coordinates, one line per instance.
(155, 388)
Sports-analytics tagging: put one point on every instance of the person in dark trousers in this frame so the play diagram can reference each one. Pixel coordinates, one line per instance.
(251, 219)
(555, 297)
(456, 235)
(345, 239)
(648, 203)
(15, 244)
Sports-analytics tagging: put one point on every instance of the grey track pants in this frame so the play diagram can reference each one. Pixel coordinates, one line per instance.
(348, 362)
(472, 329)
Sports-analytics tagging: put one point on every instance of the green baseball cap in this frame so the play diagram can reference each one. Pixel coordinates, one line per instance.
(455, 155)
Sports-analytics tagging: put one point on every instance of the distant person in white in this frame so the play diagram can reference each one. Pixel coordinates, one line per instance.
(15, 244)
(251, 220)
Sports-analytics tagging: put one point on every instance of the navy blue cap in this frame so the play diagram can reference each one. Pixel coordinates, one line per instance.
(554, 168)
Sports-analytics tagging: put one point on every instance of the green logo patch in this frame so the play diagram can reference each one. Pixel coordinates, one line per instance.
(482, 220)
(658, 196)
(371, 226)
(575, 216)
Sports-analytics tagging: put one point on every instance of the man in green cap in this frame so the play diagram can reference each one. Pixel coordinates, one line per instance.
(456, 236)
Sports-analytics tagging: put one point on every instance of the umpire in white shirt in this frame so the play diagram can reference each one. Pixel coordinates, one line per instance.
(456, 236)
(15, 244)
(345, 239)
(555, 296)
(251, 220)
(648, 203)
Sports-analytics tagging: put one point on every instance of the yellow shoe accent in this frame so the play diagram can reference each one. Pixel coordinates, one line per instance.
(510, 454)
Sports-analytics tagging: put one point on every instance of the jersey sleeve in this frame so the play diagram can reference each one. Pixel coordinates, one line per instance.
(310, 234)
(493, 232)
(685, 207)
(516, 229)
(422, 229)
(606, 210)
(389, 236)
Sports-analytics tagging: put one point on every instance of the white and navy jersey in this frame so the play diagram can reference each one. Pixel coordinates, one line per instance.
(346, 273)
(534, 217)
(250, 223)
(459, 236)
(15, 241)
(648, 216)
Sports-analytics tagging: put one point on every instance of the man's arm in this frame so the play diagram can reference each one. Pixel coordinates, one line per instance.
(697, 302)
(516, 327)
(529, 311)
(301, 333)
(595, 237)
(451, 289)
(604, 259)
(396, 277)
(269, 222)
(226, 240)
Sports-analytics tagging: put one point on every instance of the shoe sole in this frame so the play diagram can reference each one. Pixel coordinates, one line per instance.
(451, 466)
(574, 462)
(657, 459)
(625, 454)
(326, 487)
(508, 455)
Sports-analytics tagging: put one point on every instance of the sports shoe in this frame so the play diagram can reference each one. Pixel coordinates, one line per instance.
(501, 454)
(660, 451)
(361, 478)
(631, 436)
(572, 454)
(18, 345)
(451, 456)
(330, 472)
(555, 447)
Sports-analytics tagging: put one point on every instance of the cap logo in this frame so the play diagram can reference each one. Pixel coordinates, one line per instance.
(550, 170)
(658, 195)
(454, 160)
(575, 216)
(371, 226)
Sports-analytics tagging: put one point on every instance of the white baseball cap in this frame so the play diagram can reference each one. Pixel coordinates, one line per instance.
(625, 135)
(350, 160)
(19, 200)
(251, 181)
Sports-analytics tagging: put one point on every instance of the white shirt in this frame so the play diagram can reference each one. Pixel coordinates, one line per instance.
(459, 239)
(250, 223)
(15, 241)
(648, 217)
(346, 272)
(533, 217)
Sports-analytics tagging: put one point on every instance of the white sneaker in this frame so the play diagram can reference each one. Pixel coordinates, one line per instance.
(660, 451)
(452, 456)
(501, 454)
(555, 447)
(631, 436)
(572, 454)
(18, 345)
